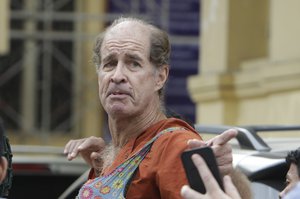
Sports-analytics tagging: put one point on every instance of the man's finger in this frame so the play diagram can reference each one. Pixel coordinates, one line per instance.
(223, 138)
(188, 193)
(222, 150)
(72, 150)
(208, 179)
(69, 147)
(92, 144)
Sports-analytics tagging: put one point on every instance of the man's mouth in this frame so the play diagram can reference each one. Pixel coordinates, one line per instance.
(118, 93)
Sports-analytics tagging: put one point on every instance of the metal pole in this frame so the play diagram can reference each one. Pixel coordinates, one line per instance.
(29, 92)
(47, 74)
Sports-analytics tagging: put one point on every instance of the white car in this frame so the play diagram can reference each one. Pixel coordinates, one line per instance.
(42, 171)
(262, 160)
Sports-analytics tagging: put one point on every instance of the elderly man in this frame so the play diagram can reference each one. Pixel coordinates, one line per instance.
(143, 159)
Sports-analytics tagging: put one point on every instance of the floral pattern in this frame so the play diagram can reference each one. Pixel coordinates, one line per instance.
(105, 190)
(86, 193)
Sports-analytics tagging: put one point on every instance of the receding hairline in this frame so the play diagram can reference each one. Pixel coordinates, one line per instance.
(133, 20)
(158, 40)
(146, 27)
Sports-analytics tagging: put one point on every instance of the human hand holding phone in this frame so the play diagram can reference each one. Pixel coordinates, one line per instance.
(213, 189)
(221, 148)
(192, 172)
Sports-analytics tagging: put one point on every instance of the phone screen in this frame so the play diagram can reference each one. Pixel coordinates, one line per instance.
(191, 171)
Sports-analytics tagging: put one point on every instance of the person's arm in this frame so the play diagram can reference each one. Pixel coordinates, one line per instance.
(221, 147)
(89, 149)
(223, 152)
(212, 188)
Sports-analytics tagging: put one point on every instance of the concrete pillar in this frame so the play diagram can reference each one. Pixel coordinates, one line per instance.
(230, 34)
(88, 114)
(250, 63)
(284, 30)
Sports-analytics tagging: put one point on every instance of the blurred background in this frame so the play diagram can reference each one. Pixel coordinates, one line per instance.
(233, 62)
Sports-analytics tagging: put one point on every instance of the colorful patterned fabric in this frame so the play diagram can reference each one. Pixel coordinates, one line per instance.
(115, 183)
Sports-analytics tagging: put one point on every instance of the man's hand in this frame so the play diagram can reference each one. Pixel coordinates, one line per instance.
(212, 188)
(221, 147)
(89, 148)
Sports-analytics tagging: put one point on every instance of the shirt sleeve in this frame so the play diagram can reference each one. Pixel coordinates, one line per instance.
(170, 175)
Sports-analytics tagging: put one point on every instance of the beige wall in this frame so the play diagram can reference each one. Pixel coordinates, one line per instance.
(250, 63)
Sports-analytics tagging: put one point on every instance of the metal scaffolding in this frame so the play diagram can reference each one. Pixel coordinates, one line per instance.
(48, 36)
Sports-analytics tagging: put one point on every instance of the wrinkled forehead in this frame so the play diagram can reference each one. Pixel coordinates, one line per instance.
(129, 31)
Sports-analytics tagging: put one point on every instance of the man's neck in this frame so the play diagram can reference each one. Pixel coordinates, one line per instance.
(122, 130)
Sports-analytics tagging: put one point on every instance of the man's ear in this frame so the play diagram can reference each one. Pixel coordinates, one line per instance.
(162, 76)
(3, 168)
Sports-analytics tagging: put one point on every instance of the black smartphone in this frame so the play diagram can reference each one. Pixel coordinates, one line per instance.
(191, 171)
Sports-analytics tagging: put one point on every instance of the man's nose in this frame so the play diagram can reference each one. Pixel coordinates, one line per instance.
(118, 75)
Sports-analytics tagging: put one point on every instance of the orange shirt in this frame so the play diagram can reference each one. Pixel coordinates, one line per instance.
(160, 174)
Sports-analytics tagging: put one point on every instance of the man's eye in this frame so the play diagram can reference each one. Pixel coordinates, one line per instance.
(135, 64)
(109, 65)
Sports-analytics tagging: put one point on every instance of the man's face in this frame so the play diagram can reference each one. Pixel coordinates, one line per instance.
(128, 82)
(292, 177)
